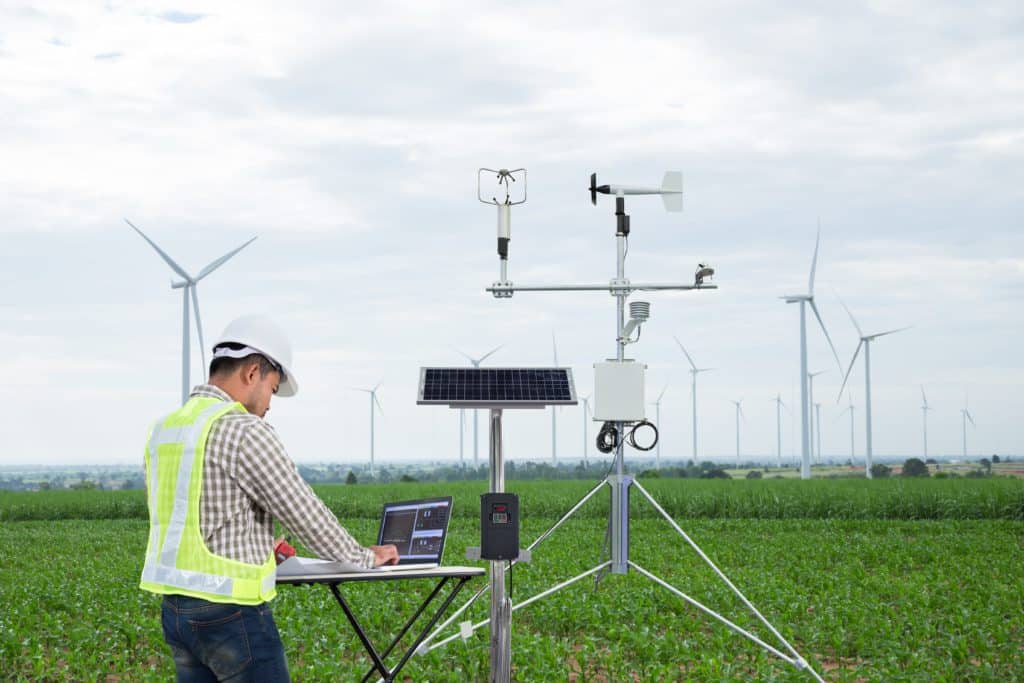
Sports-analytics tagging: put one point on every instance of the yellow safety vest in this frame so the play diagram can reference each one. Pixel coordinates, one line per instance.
(177, 559)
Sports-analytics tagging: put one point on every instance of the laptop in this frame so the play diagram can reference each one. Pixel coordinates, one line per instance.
(419, 529)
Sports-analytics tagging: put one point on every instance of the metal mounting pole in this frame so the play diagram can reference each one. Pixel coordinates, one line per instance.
(501, 606)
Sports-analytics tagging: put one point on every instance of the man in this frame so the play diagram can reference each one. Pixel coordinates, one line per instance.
(217, 477)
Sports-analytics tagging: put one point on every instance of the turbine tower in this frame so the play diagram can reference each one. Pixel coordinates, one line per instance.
(805, 409)
(965, 415)
(924, 420)
(739, 413)
(779, 405)
(476, 424)
(694, 371)
(373, 400)
(849, 409)
(657, 419)
(815, 450)
(865, 341)
(188, 290)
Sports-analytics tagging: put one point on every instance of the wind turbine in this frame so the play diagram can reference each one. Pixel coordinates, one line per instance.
(188, 287)
(965, 415)
(865, 341)
(924, 419)
(802, 299)
(739, 412)
(586, 418)
(476, 424)
(779, 405)
(373, 400)
(814, 423)
(694, 371)
(657, 419)
(849, 409)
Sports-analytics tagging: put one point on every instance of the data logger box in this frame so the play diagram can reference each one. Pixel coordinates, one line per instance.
(499, 526)
(619, 391)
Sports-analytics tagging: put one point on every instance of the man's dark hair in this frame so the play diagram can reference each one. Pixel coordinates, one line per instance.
(226, 365)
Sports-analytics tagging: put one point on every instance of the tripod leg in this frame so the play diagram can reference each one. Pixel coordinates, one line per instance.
(797, 660)
(426, 647)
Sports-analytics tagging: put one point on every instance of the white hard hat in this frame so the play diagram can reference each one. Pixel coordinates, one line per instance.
(261, 334)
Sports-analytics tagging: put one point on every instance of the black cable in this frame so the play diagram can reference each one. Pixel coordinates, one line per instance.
(607, 438)
(631, 435)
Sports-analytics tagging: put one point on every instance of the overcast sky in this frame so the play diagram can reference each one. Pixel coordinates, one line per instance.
(347, 137)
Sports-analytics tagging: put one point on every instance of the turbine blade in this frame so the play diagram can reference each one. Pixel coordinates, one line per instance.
(882, 334)
(167, 259)
(814, 263)
(968, 414)
(554, 347)
(374, 390)
(821, 322)
(692, 364)
(494, 350)
(377, 401)
(847, 376)
(923, 398)
(214, 265)
(199, 327)
(465, 355)
(662, 394)
(852, 319)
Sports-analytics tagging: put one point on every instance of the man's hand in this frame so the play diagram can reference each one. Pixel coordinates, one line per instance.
(384, 554)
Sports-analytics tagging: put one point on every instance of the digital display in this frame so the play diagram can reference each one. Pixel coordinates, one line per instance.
(499, 518)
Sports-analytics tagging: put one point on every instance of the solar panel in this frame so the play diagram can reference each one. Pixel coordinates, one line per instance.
(496, 387)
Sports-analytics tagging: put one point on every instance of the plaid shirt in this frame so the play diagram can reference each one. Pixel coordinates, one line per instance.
(248, 481)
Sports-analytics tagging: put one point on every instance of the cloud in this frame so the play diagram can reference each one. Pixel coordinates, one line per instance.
(107, 56)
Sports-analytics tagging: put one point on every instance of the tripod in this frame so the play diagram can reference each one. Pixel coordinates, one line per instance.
(619, 484)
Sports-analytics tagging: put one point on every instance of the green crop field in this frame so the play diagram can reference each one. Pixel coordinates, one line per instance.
(871, 581)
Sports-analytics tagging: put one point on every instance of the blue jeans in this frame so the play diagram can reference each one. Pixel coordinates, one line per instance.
(213, 641)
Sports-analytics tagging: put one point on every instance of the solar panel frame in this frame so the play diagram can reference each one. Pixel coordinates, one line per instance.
(496, 387)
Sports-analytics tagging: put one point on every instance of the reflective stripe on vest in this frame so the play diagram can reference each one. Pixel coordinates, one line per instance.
(177, 559)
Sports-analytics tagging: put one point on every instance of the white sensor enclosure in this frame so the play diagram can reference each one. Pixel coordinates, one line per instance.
(619, 391)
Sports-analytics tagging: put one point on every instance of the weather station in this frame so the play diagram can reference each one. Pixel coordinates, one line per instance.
(619, 407)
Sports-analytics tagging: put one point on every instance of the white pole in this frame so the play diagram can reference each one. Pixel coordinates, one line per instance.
(693, 373)
(462, 426)
(186, 350)
(371, 433)
(867, 404)
(805, 457)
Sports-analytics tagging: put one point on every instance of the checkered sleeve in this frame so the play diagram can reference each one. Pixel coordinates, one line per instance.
(273, 482)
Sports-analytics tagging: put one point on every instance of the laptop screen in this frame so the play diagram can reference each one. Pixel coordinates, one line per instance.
(417, 527)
